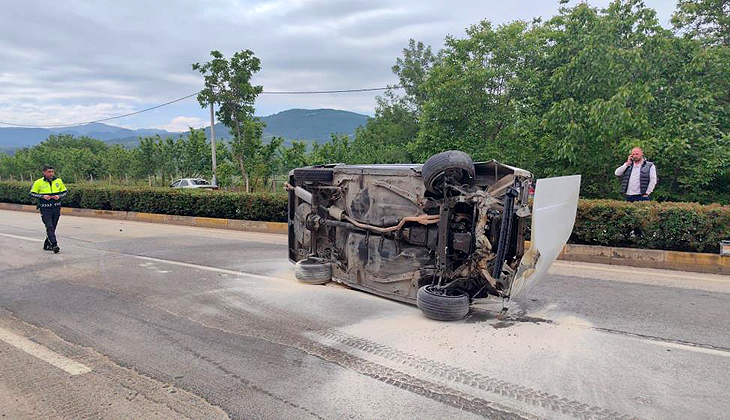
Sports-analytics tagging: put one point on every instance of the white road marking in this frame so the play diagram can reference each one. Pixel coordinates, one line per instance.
(182, 264)
(209, 268)
(653, 340)
(36, 350)
(714, 352)
(25, 238)
(695, 276)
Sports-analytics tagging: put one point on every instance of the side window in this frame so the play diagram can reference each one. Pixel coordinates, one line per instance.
(183, 183)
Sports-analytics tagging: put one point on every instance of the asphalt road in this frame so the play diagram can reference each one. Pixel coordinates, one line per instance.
(138, 320)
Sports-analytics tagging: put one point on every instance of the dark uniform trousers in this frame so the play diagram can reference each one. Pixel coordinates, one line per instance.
(50, 216)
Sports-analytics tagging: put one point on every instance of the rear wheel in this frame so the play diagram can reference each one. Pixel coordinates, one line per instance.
(312, 272)
(453, 164)
(436, 304)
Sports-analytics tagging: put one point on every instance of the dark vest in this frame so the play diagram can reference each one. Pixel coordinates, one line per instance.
(644, 177)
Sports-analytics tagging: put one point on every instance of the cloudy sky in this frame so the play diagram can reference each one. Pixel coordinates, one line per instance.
(69, 61)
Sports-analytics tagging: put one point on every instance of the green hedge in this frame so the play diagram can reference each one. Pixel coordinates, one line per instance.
(183, 202)
(650, 225)
(669, 226)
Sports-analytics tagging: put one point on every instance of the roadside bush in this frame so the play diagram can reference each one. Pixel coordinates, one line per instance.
(181, 202)
(652, 225)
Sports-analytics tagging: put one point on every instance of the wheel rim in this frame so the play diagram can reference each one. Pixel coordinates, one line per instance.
(443, 293)
(437, 182)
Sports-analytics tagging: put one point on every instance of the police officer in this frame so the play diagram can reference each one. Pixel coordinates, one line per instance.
(49, 191)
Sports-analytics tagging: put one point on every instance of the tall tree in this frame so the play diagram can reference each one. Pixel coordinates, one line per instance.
(147, 157)
(477, 92)
(194, 154)
(228, 84)
(384, 138)
(708, 20)
(412, 70)
(294, 156)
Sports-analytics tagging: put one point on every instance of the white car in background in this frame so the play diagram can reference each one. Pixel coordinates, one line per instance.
(193, 183)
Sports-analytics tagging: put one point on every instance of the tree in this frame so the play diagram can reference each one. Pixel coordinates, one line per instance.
(384, 139)
(116, 161)
(477, 93)
(708, 20)
(615, 79)
(337, 150)
(575, 93)
(294, 156)
(412, 70)
(228, 84)
(245, 145)
(146, 156)
(168, 159)
(265, 159)
(194, 154)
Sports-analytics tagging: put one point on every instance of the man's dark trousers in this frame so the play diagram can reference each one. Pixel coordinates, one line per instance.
(632, 198)
(50, 216)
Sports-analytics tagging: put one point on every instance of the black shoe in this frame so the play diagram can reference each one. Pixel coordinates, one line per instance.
(56, 249)
(47, 248)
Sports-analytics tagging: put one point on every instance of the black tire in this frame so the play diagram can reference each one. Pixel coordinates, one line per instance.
(457, 162)
(442, 307)
(312, 272)
(313, 175)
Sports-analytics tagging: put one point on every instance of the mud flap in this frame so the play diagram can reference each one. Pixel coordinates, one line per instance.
(553, 217)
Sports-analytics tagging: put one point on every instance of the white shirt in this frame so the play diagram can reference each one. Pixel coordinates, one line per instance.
(635, 180)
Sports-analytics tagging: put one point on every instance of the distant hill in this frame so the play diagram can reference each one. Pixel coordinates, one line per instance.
(21, 137)
(16, 137)
(311, 125)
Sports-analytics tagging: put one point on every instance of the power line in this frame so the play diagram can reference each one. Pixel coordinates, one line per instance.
(102, 119)
(310, 92)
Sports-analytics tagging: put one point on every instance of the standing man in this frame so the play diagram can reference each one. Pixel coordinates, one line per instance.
(638, 176)
(49, 190)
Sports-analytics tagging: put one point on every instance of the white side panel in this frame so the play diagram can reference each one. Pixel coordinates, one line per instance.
(553, 217)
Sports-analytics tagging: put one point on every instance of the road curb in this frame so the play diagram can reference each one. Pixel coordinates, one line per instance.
(208, 222)
(647, 258)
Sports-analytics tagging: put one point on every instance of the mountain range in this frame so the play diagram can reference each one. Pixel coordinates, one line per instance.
(311, 125)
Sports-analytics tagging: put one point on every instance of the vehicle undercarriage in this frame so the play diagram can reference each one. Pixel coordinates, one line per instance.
(440, 234)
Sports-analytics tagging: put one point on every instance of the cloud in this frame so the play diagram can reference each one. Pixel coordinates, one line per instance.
(54, 114)
(71, 59)
(181, 123)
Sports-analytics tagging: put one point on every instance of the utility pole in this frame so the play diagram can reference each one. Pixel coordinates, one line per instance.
(212, 142)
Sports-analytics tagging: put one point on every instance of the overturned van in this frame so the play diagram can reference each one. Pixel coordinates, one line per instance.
(439, 234)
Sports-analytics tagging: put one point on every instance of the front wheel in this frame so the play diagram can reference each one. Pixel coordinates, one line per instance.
(436, 304)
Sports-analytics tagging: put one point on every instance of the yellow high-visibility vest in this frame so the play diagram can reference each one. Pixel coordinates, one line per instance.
(53, 186)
